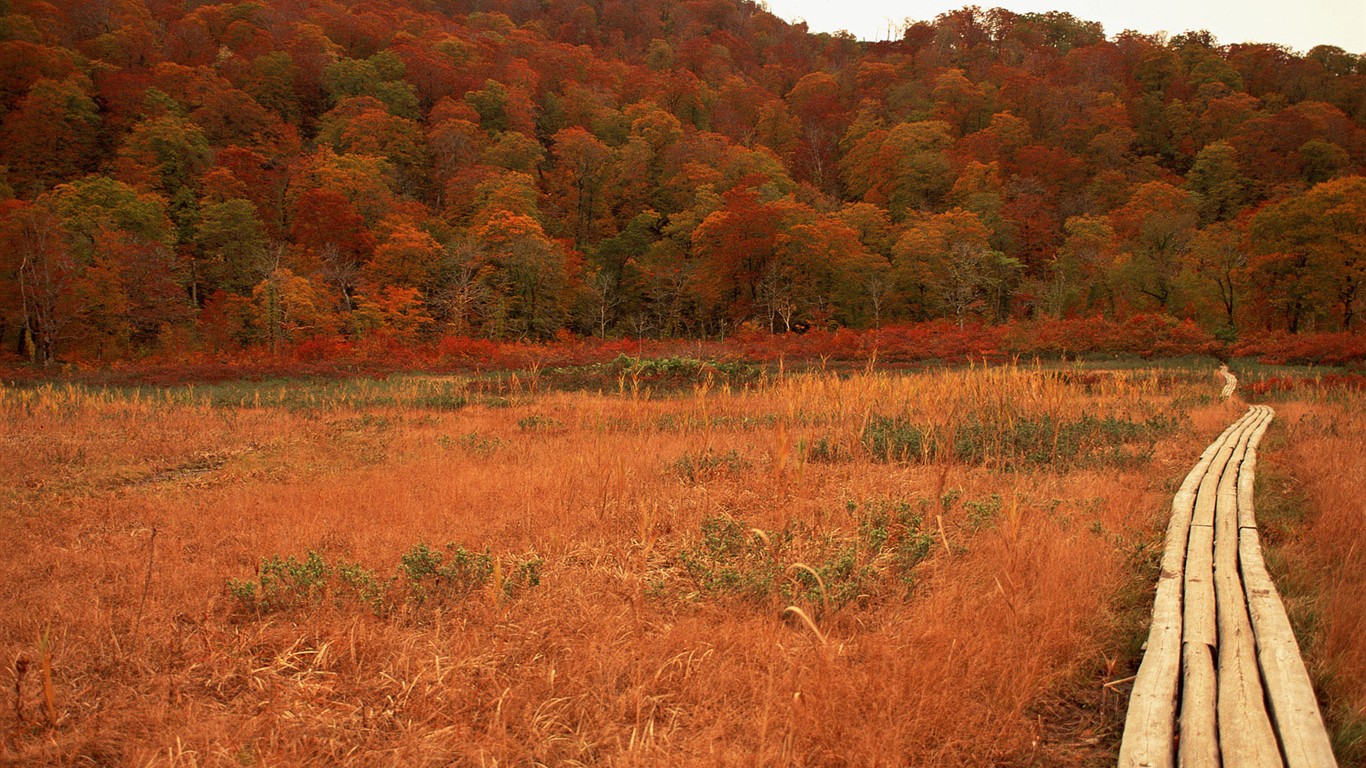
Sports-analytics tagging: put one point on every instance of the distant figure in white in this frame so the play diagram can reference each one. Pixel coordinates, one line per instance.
(1230, 382)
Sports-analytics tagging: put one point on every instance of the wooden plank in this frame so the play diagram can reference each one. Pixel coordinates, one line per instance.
(1199, 741)
(1213, 553)
(1199, 614)
(1150, 724)
(1226, 513)
(1293, 706)
(1209, 484)
(1246, 737)
(1199, 732)
(1247, 516)
(1184, 500)
(1230, 383)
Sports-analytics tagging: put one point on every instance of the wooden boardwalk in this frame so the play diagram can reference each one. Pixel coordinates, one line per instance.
(1222, 681)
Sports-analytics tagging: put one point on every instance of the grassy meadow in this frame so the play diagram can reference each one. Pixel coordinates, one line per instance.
(668, 563)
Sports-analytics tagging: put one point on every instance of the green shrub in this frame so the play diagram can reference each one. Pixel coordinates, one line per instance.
(537, 423)
(730, 558)
(824, 450)
(982, 514)
(695, 468)
(423, 576)
(893, 439)
(826, 571)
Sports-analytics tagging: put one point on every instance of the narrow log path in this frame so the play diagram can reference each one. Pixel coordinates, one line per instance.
(1222, 681)
(1230, 382)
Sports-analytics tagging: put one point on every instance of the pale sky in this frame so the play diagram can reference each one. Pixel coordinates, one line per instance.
(1299, 24)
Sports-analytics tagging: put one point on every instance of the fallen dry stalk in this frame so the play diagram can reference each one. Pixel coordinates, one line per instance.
(1113, 684)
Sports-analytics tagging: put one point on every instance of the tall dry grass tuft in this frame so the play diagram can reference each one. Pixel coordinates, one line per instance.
(965, 554)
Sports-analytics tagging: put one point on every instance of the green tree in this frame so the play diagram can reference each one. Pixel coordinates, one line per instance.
(1081, 274)
(380, 76)
(1218, 258)
(905, 169)
(233, 253)
(1219, 185)
(527, 276)
(945, 265)
(94, 204)
(1155, 230)
(164, 153)
(1311, 253)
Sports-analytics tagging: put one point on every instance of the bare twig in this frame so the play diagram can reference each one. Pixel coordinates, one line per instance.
(146, 583)
(49, 695)
(21, 665)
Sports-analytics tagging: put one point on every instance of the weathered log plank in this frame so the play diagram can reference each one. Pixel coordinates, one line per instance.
(1208, 490)
(1246, 737)
(1294, 708)
(1199, 730)
(1247, 515)
(1289, 691)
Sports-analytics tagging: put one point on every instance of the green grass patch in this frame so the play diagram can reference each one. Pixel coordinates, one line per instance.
(1021, 442)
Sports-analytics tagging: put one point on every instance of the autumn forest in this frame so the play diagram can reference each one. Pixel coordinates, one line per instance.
(180, 176)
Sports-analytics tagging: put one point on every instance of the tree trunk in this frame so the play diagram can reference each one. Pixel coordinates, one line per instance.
(26, 348)
(1348, 296)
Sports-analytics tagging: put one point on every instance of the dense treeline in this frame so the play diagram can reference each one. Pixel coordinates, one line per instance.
(179, 175)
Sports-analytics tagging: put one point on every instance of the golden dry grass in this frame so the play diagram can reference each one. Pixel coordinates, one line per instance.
(993, 650)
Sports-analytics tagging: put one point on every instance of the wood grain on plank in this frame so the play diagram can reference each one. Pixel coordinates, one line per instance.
(1199, 732)
(1246, 736)
(1199, 613)
(1208, 490)
(1294, 708)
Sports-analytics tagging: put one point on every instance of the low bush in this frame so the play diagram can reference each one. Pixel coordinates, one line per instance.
(798, 564)
(423, 577)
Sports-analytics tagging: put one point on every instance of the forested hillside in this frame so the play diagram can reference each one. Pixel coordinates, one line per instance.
(186, 176)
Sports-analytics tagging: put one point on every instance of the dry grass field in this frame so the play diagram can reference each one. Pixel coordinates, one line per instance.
(682, 567)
